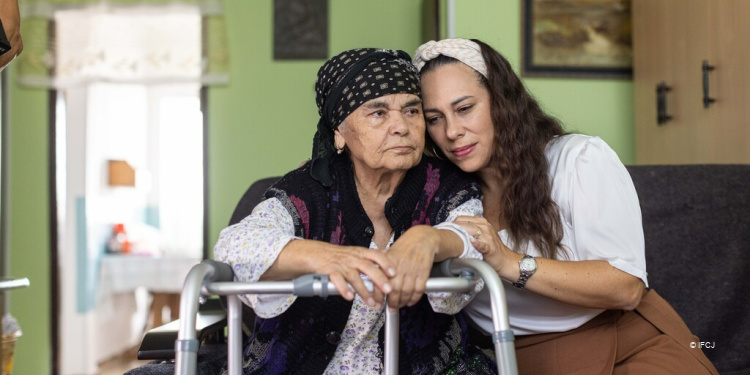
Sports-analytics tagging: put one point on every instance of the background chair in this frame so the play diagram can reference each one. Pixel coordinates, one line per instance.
(253, 195)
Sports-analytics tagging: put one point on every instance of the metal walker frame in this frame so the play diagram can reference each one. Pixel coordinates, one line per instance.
(215, 278)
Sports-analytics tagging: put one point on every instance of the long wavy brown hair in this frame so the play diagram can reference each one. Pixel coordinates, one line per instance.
(522, 131)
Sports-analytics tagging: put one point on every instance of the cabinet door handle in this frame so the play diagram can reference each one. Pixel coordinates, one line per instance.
(705, 68)
(661, 103)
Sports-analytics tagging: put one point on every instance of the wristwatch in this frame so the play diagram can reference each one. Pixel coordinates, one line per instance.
(527, 265)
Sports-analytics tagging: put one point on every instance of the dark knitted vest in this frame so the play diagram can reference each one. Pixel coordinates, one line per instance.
(303, 339)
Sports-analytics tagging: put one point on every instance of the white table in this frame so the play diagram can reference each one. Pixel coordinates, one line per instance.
(161, 276)
(125, 273)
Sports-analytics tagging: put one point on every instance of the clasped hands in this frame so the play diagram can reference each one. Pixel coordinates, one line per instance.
(402, 271)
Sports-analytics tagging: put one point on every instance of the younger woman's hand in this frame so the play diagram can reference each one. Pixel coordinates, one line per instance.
(487, 241)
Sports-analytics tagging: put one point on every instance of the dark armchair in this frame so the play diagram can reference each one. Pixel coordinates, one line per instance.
(696, 220)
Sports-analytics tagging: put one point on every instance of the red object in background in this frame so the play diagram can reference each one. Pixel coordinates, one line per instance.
(119, 242)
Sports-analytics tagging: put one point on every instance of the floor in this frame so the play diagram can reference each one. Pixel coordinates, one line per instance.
(128, 359)
(120, 364)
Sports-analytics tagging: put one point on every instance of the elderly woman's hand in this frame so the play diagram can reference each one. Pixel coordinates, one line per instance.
(344, 264)
(487, 241)
(413, 256)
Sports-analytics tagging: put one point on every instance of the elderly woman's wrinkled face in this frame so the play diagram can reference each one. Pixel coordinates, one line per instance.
(384, 134)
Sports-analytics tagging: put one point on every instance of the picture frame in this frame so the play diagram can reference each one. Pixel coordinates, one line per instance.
(300, 29)
(576, 38)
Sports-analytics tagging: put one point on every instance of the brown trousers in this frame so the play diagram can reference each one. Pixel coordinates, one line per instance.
(653, 339)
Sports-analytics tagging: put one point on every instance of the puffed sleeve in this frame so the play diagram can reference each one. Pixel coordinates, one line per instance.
(604, 210)
(251, 246)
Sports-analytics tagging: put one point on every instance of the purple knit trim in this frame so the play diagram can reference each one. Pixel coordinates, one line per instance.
(336, 238)
(430, 188)
(304, 215)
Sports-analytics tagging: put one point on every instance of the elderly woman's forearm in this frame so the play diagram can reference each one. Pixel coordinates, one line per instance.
(252, 245)
(450, 245)
(293, 260)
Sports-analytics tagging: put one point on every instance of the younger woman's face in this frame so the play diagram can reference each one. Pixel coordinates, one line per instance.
(457, 115)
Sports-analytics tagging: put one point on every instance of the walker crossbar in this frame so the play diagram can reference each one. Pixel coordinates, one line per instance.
(214, 278)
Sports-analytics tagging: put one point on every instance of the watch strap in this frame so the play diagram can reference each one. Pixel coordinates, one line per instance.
(524, 275)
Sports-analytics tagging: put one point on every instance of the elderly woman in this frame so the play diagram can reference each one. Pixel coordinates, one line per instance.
(367, 207)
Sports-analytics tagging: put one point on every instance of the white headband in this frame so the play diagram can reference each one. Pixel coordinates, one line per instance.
(463, 50)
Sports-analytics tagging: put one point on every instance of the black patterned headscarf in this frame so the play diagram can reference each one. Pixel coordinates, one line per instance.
(344, 83)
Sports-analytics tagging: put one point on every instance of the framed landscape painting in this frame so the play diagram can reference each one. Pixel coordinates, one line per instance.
(576, 38)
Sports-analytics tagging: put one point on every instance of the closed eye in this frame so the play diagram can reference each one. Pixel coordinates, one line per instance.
(465, 108)
(432, 120)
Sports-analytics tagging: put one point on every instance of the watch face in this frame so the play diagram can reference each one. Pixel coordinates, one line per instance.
(528, 265)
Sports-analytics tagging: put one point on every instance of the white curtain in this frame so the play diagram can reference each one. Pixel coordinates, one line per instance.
(133, 44)
(68, 42)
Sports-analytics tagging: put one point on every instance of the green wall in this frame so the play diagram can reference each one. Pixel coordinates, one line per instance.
(262, 124)
(601, 107)
(29, 226)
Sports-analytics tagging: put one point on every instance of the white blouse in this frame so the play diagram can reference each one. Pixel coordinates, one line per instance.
(252, 245)
(601, 220)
